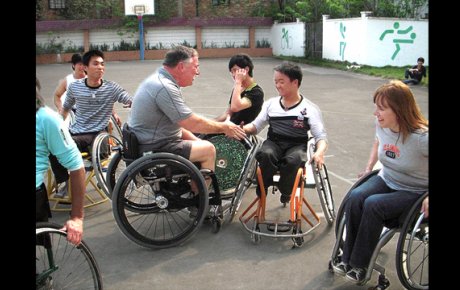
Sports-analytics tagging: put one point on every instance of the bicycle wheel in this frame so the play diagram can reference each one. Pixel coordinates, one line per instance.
(153, 204)
(412, 256)
(62, 265)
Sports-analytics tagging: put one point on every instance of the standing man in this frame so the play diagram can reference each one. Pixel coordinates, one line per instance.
(414, 75)
(290, 117)
(247, 96)
(162, 121)
(78, 73)
(94, 97)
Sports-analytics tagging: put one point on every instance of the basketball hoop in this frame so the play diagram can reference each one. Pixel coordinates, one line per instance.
(139, 10)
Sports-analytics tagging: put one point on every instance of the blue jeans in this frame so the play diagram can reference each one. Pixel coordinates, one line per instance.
(367, 208)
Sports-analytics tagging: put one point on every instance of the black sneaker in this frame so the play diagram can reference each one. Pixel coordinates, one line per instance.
(356, 275)
(341, 268)
(285, 198)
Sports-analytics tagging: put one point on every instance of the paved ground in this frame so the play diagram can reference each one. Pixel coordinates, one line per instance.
(229, 260)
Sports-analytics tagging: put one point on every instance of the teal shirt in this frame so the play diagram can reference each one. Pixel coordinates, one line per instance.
(52, 136)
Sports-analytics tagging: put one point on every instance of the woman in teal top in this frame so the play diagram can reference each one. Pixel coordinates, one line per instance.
(52, 136)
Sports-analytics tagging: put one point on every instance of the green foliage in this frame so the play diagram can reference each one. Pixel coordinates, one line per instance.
(101, 47)
(388, 72)
(312, 10)
(264, 43)
(185, 43)
(124, 45)
(57, 45)
(212, 45)
(38, 10)
(90, 9)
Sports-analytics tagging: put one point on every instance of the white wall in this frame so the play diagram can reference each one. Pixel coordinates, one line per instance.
(262, 33)
(221, 36)
(288, 39)
(169, 36)
(110, 37)
(70, 37)
(361, 39)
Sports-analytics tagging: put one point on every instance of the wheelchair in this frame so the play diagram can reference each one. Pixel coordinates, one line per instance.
(253, 218)
(60, 264)
(95, 167)
(412, 257)
(153, 202)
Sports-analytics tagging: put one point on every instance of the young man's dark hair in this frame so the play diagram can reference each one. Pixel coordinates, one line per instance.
(76, 58)
(421, 59)
(242, 60)
(89, 54)
(293, 71)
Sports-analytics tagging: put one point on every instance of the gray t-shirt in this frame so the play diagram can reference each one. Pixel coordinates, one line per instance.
(157, 107)
(405, 166)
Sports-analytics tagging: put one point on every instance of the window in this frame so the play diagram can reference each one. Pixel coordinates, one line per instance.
(220, 2)
(56, 4)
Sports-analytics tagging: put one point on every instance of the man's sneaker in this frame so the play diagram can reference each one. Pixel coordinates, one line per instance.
(61, 190)
(356, 275)
(341, 268)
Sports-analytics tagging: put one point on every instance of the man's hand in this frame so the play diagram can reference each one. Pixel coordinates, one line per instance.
(234, 131)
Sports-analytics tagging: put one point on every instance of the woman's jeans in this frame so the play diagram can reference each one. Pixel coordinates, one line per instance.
(367, 208)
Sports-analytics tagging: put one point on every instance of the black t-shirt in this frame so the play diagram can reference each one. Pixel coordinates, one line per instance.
(419, 73)
(256, 95)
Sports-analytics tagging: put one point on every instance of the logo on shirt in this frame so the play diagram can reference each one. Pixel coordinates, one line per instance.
(391, 151)
(297, 123)
(304, 112)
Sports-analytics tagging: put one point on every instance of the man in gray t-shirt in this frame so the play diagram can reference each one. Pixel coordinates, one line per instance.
(162, 121)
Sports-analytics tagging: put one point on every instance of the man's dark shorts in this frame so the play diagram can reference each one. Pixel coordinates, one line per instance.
(179, 147)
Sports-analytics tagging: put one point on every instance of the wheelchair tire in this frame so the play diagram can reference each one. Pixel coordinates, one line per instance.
(152, 201)
(412, 259)
(101, 159)
(115, 169)
(323, 187)
(72, 267)
(246, 178)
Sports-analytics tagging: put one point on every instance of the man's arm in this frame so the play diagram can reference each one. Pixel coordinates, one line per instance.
(318, 156)
(198, 124)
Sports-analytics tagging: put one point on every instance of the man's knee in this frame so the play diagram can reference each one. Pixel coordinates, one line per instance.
(202, 151)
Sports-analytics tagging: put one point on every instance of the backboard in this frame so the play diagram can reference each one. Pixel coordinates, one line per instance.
(139, 7)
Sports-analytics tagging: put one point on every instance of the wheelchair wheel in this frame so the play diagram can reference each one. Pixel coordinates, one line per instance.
(116, 167)
(101, 156)
(412, 257)
(153, 204)
(245, 179)
(62, 265)
(340, 228)
(323, 187)
(114, 129)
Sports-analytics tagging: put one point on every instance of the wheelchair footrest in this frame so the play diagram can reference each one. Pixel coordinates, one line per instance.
(281, 227)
